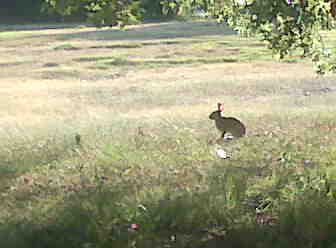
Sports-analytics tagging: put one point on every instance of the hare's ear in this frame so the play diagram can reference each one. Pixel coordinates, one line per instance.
(220, 107)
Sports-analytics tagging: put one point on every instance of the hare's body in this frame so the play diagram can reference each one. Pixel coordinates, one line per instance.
(227, 124)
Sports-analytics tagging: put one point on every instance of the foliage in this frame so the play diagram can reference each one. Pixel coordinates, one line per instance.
(286, 25)
(100, 12)
(17, 11)
(185, 8)
(152, 9)
(114, 13)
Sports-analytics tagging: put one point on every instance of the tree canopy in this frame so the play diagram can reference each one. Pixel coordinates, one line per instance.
(286, 25)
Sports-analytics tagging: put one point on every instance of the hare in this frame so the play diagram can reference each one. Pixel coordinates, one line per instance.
(227, 124)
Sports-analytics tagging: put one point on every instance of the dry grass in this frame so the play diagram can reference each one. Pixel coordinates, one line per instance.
(155, 70)
(59, 81)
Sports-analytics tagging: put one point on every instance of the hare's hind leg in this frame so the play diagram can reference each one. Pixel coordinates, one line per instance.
(223, 134)
(227, 137)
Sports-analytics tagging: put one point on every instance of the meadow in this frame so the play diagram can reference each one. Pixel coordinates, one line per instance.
(144, 172)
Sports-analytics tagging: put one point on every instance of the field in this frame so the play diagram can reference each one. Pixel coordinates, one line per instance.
(144, 172)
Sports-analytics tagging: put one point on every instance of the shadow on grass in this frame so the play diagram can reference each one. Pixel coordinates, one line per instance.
(91, 59)
(118, 46)
(125, 62)
(248, 43)
(39, 26)
(139, 45)
(6, 176)
(102, 216)
(127, 46)
(190, 61)
(109, 216)
(156, 31)
(59, 74)
(171, 30)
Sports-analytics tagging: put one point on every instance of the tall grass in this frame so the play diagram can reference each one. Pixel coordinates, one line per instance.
(171, 191)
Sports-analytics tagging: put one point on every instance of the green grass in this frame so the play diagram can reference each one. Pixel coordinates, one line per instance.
(140, 100)
(12, 35)
(178, 193)
(68, 47)
(181, 52)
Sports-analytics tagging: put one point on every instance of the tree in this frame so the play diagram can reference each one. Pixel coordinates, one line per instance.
(113, 12)
(100, 12)
(286, 25)
(17, 11)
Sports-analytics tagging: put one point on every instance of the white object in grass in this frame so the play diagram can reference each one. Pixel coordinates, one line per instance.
(221, 153)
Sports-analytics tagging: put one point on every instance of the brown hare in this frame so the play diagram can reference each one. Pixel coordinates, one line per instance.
(226, 125)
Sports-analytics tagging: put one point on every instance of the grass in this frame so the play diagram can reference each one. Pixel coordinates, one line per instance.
(65, 47)
(145, 172)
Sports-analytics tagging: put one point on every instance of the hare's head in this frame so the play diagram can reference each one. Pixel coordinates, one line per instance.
(217, 114)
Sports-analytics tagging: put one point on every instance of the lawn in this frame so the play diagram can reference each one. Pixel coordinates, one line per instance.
(144, 172)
